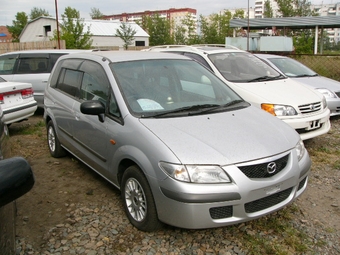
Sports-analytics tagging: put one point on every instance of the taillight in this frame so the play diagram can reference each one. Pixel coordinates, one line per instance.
(26, 93)
(1, 98)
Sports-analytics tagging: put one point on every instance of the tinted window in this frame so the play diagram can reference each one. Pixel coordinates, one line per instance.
(32, 65)
(197, 58)
(69, 81)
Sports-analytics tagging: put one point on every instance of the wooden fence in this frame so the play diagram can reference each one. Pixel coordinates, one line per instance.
(8, 47)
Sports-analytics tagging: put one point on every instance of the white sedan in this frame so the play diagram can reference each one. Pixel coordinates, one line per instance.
(16, 100)
(301, 73)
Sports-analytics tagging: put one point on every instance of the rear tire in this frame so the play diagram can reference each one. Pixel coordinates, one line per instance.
(138, 200)
(53, 142)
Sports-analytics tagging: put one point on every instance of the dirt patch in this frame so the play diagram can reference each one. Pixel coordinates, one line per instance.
(61, 183)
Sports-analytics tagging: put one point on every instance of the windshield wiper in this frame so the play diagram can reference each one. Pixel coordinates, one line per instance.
(213, 108)
(187, 109)
(265, 78)
(306, 75)
(194, 109)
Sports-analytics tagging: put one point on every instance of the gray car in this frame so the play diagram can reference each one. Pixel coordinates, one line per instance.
(303, 74)
(183, 148)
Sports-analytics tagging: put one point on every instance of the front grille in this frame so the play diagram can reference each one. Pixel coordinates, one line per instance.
(267, 202)
(261, 170)
(310, 108)
(221, 212)
(302, 183)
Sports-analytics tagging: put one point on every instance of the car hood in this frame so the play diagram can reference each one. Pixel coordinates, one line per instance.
(224, 138)
(285, 91)
(319, 82)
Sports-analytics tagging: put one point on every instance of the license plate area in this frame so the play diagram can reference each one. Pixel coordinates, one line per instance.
(314, 124)
(273, 189)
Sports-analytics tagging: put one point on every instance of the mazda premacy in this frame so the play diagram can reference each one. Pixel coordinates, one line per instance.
(182, 147)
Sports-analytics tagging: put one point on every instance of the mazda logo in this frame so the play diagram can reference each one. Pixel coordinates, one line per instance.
(271, 168)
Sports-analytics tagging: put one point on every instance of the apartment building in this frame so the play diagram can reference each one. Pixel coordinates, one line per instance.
(329, 10)
(175, 15)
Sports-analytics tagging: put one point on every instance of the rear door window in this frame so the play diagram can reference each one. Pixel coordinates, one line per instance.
(7, 63)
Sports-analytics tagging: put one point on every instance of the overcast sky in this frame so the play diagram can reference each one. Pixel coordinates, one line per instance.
(9, 8)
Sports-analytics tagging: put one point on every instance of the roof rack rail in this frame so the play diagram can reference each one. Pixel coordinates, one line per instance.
(217, 45)
(192, 46)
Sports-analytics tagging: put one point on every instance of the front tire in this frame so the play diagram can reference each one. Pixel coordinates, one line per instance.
(53, 142)
(138, 200)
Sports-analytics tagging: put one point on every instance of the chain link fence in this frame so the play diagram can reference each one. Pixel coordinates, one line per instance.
(325, 65)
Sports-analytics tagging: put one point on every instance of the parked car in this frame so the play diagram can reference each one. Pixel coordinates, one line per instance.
(16, 100)
(183, 148)
(301, 73)
(32, 66)
(302, 108)
(16, 179)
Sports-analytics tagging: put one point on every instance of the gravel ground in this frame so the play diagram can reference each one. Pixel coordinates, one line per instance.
(97, 224)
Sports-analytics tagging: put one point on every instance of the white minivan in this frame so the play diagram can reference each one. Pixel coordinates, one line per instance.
(301, 107)
(32, 66)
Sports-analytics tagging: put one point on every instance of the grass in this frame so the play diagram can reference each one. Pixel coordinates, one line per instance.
(275, 234)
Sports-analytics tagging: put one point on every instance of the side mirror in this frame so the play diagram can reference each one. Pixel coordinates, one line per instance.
(93, 107)
(16, 179)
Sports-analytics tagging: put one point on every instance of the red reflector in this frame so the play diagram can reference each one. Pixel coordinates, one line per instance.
(27, 93)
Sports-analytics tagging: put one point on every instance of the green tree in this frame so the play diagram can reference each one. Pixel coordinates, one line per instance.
(190, 25)
(268, 10)
(179, 35)
(215, 28)
(295, 8)
(96, 13)
(38, 12)
(18, 25)
(159, 30)
(126, 33)
(72, 30)
(302, 38)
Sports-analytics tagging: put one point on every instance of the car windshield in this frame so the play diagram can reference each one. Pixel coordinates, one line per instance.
(243, 67)
(292, 68)
(172, 87)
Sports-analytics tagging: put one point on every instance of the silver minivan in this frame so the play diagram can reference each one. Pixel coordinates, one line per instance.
(183, 148)
(32, 66)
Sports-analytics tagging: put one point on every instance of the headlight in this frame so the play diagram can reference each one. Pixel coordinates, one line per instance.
(279, 110)
(327, 93)
(195, 173)
(300, 149)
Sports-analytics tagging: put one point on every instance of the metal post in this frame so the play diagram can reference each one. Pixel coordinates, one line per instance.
(56, 14)
(248, 29)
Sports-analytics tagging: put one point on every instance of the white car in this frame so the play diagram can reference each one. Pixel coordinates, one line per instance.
(301, 107)
(16, 100)
(301, 73)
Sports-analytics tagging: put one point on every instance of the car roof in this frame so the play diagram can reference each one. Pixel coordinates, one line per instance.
(119, 56)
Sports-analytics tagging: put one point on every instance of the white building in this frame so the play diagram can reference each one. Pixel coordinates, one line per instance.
(103, 32)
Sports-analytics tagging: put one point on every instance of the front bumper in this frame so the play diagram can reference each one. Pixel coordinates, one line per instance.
(197, 206)
(310, 126)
